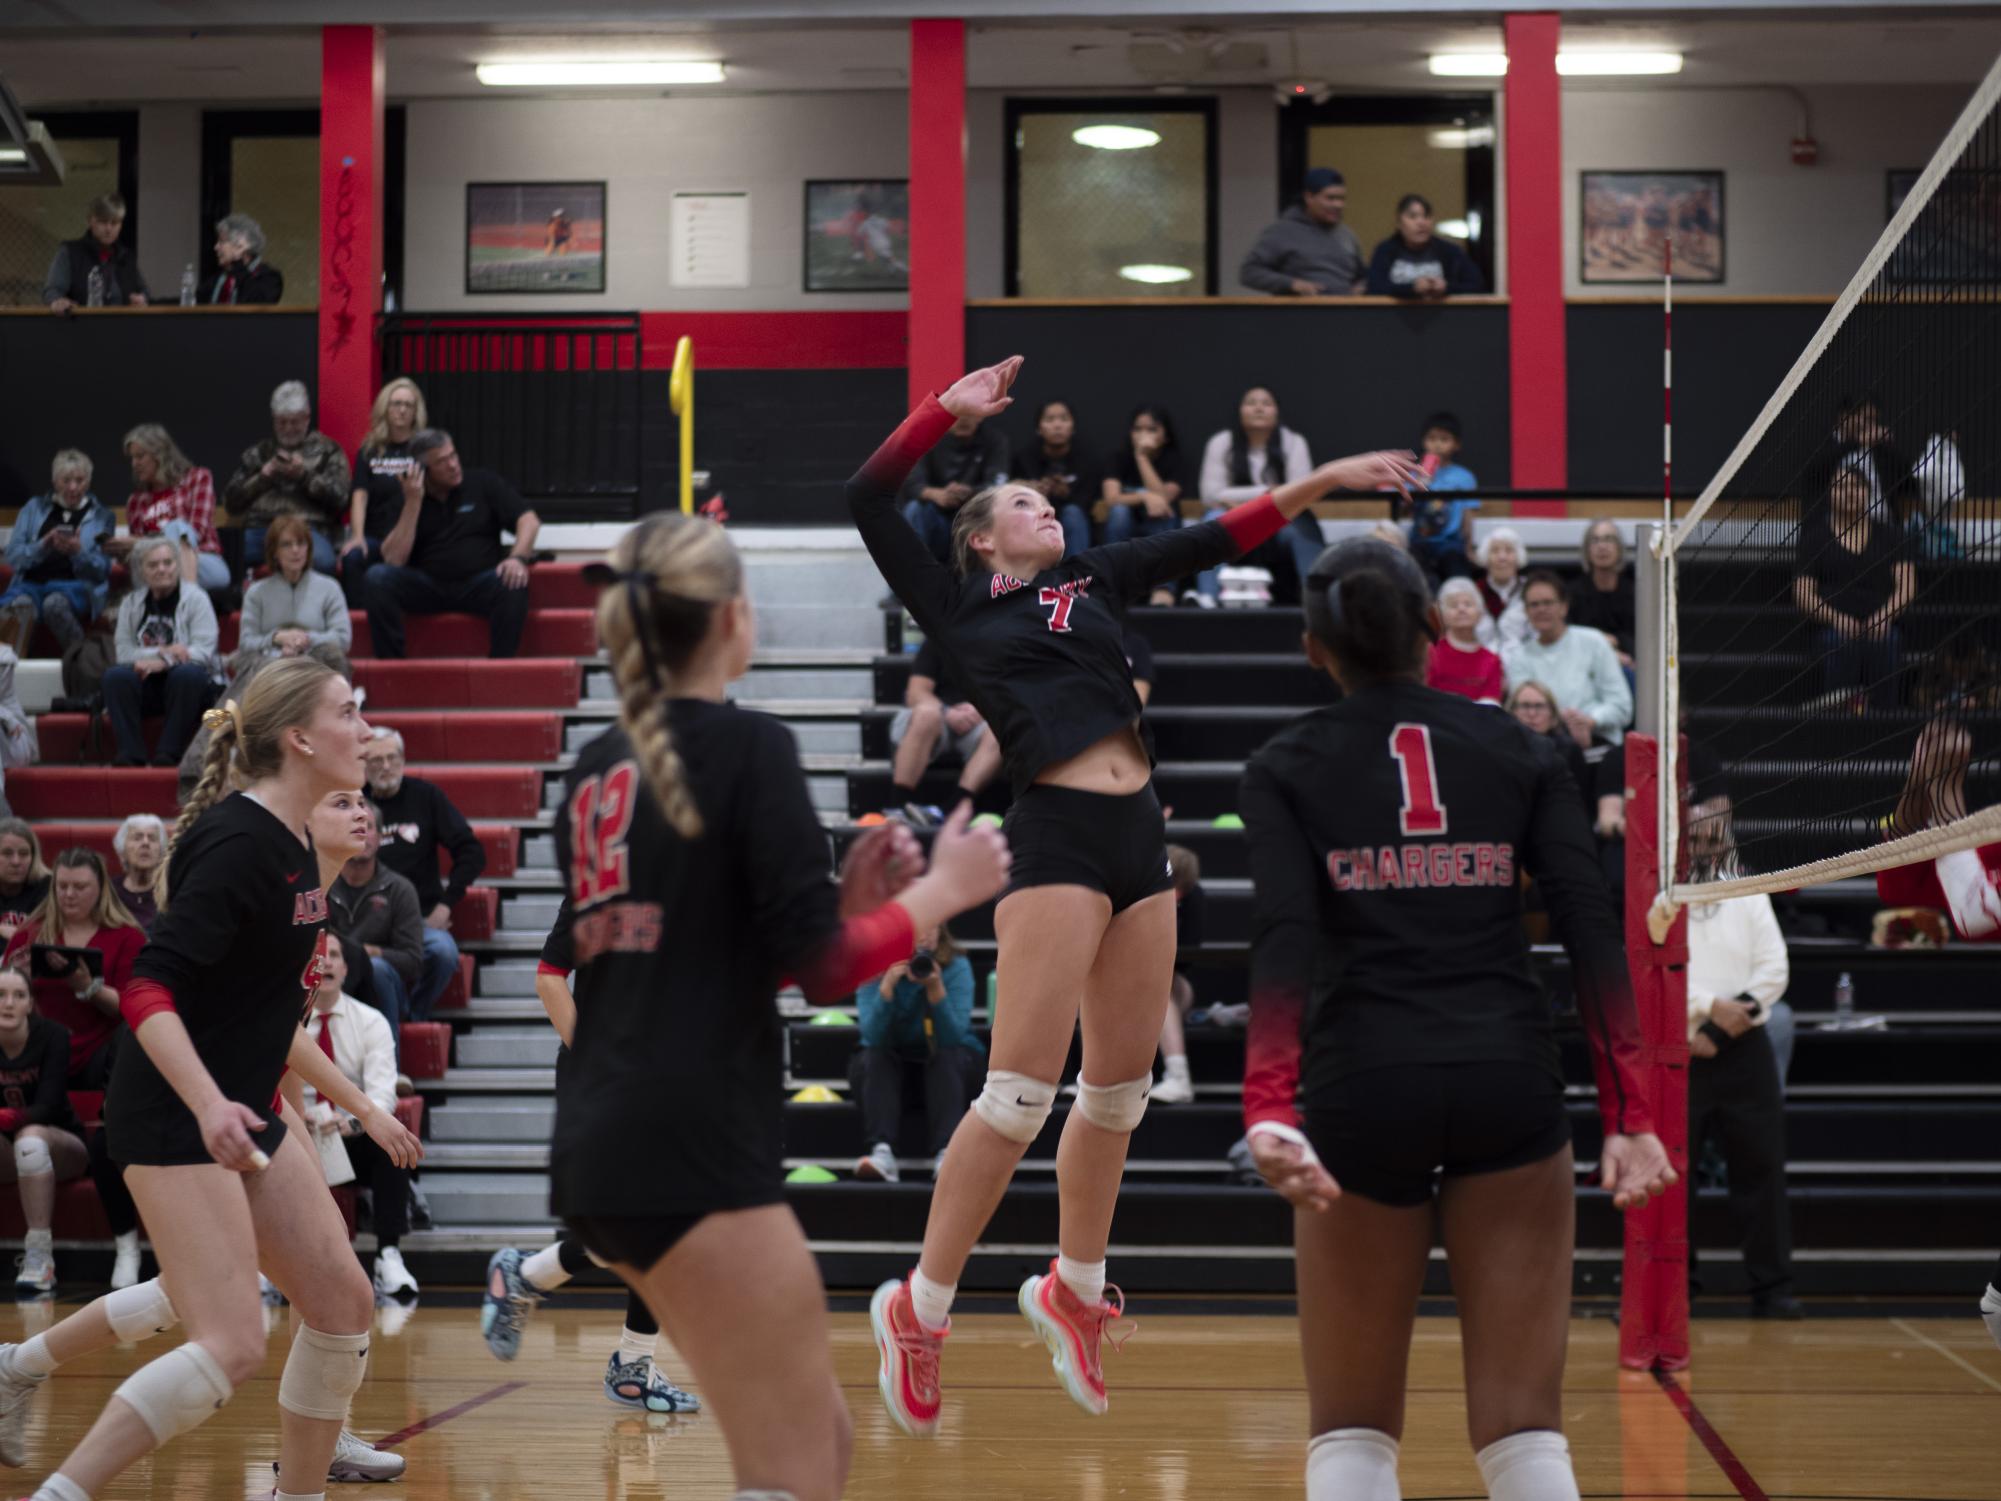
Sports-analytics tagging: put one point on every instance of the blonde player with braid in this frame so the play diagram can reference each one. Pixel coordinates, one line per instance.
(700, 878)
(215, 1008)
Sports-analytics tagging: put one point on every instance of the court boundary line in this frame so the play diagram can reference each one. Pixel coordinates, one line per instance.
(1965, 1365)
(1720, 1451)
(437, 1419)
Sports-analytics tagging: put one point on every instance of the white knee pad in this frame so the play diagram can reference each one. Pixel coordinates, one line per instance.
(1114, 1107)
(1352, 1464)
(137, 1313)
(31, 1157)
(181, 1389)
(322, 1373)
(1532, 1466)
(1014, 1104)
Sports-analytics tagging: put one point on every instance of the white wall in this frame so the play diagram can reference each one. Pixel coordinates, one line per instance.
(646, 150)
(170, 229)
(1787, 229)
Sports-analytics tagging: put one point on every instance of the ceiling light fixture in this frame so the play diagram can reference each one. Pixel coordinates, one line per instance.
(1156, 276)
(569, 73)
(1569, 64)
(1460, 137)
(13, 154)
(1115, 137)
(1468, 64)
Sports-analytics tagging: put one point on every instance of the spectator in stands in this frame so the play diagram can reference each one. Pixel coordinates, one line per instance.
(241, 273)
(1414, 262)
(1441, 528)
(175, 499)
(1177, 1085)
(99, 249)
(24, 879)
(81, 912)
(935, 715)
(376, 908)
(1143, 492)
(417, 820)
(56, 550)
(244, 664)
(1500, 556)
(140, 844)
(1053, 464)
(19, 743)
(919, 1012)
(1862, 441)
(1539, 709)
(971, 458)
(166, 650)
(1737, 971)
(297, 471)
(1242, 462)
(380, 463)
(1602, 596)
(1459, 663)
(41, 1129)
(445, 552)
(1577, 665)
(362, 1045)
(1309, 252)
(293, 609)
(1855, 577)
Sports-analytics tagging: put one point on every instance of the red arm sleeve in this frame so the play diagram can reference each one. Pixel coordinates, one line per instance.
(862, 946)
(1256, 521)
(144, 998)
(12, 1121)
(544, 967)
(1271, 1057)
(1285, 875)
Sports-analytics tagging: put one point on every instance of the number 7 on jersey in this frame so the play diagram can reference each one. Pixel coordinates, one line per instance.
(1422, 813)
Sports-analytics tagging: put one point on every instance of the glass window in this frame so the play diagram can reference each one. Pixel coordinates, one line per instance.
(33, 221)
(276, 180)
(1106, 200)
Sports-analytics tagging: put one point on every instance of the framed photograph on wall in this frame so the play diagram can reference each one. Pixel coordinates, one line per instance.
(1625, 218)
(858, 235)
(535, 237)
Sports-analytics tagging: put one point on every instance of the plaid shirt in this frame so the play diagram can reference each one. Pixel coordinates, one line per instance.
(192, 501)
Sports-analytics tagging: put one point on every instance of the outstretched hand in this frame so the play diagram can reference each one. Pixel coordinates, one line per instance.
(879, 865)
(983, 393)
(1386, 469)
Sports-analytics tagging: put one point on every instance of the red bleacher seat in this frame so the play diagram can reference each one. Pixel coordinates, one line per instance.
(476, 914)
(458, 989)
(487, 791)
(560, 586)
(548, 633)
(520, 683)
(475, 735)
(426, 1048)
(501, 841)
(40, 792)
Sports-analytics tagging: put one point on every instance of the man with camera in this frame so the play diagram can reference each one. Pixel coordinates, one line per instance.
(917, 1017)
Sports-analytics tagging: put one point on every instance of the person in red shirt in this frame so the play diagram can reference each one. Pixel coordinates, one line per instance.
(81, 911)
(1458, 662)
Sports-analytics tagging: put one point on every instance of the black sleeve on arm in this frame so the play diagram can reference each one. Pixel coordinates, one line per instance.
(51, 1101)
(456, 835)
(1285, 874)
(506, 501)
(926, 586)
(793, 896)
(559, 951)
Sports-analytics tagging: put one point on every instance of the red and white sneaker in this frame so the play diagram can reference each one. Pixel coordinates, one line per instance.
(1074, 1334)
(908, 1379)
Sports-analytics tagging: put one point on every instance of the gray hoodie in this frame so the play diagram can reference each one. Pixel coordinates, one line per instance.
(1298, 248)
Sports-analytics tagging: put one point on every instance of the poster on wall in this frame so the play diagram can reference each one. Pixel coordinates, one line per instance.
(535, 237)
(1952, 238)
(708, 240)
(1627, 218)
(858, 235)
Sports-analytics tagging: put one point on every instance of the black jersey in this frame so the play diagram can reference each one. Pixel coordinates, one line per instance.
(34, 1083)
(671, 1101)
(1388, 833)
(238, 948)
(1043, 659)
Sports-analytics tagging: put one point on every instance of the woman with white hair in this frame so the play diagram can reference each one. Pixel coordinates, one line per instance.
(1501, 556)
(172, 498)
(1458, 663)
(241, 276)
(57, 553)
(166, 649)
(297, 471)
(140, 843)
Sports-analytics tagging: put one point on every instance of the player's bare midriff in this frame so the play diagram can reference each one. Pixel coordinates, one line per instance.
(1115, 766)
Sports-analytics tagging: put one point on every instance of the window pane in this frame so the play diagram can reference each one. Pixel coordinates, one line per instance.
(1100, 221)
(276, 180)
(1384, 162)
(33, 221)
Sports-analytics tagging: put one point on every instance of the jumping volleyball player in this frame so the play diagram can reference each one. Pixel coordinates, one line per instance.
(1386, 834)
(1088, 918)
(215, 1006)
(699, 873)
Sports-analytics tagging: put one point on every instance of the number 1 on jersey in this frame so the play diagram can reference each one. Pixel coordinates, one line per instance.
(1422, 812)
(600, 818)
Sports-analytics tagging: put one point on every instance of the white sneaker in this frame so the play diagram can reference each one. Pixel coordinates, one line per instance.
(1173, 1090)
(35, 1272)
(1990, 1314)
(268, 1291)
(880, 1165)
(17, 1395)
(355, 1459)
(125, 1262)
(392, 1278)
(392, 1315)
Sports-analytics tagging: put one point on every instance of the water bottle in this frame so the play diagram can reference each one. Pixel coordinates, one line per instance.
(1844, 1000)
(188, 285)
(94, 297)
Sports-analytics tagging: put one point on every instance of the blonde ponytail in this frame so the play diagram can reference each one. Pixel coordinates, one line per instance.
(245, 740)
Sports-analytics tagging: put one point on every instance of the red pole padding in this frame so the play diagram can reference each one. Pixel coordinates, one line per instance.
(1653, 1303)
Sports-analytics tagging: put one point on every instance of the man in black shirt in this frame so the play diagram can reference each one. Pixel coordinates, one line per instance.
(445, 552)
(971, 457)
(415, 818)
(119, 281)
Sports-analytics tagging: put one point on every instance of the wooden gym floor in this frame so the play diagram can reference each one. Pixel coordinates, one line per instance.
(1203, 1406)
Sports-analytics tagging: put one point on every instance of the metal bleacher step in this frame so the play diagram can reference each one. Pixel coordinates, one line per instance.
(507, 978)
(511, 1119)
(530, 914)
(460, 1198)
(507, 1047)
(502, 1010)
(467, 1080)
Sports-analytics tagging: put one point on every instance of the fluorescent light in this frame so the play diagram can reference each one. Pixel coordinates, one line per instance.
(1454, 229)
(1468, 64)
(1115, 137)
(597, 73)
(1156, 276)
(12, 154)
(1616, 64)
(1459, 138)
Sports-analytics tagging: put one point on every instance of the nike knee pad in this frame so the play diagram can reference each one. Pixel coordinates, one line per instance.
(1114, 1107)
(1014, 1105)
(1531, 1466)
(181, 1389)
(31, 1157)
(322, 1373)
(137, 1313)
(1352, 1464)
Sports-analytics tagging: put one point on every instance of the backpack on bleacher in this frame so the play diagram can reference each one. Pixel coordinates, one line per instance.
(85, 664)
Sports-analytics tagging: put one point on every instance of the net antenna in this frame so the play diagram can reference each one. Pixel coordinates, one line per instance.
(1829, 610)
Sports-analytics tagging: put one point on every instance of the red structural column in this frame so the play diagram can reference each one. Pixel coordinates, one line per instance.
(1537, 382)
(937, 205)
(351, 94)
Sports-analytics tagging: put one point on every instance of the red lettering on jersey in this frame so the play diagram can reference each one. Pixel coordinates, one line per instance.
(601, 812)
(314, 972)
(1462, 865)
(1059, 602)
(309, 907)
(1416, 865)
(1004, 583)
(1441, 865)
(1504, 865)
(621, 928)
(1483, 865)
(1410, 744)
(1389, 870)
(1337, 869)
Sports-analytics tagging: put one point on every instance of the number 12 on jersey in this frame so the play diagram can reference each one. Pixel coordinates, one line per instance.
(1422, 812)
(600, 818)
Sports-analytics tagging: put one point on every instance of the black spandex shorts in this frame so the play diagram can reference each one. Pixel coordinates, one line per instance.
(1059, 836)
(639, 1240)
(1386, 1133)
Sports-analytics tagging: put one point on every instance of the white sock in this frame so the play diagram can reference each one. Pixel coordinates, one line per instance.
(43, 1240)
(129, 1241)
(1352, 1464)
(1990, 1301)
(1084, 1278)
(31, 1358)
(1176, 1066)
(1531, 1466)
(633, 1345)
(60, 1488)
(932, 1300)
(544, 1270)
